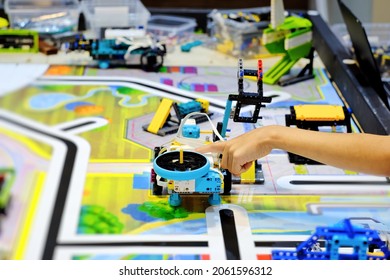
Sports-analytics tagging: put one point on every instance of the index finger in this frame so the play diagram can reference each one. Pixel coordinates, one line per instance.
(216, 147)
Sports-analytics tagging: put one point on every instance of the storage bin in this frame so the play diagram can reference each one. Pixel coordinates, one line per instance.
(44, 16)
(238, 32)
(115, 13)
(170, 26)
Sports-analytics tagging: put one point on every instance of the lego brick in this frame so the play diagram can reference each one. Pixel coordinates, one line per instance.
(161, 116)
(319, 112)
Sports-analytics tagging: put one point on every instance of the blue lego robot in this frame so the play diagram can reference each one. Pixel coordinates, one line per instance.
(140, 51)
(366, 244)
(179, 170)
(189, 173)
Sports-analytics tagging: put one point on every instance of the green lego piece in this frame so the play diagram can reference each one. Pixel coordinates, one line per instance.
(8, 177)
(278, 70)
(292, 38)
(12, 40)
(3, 23)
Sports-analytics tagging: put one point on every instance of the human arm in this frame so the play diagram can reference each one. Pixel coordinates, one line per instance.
(360, 152)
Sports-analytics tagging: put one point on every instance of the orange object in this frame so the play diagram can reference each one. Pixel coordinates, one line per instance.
(89, 109)
(58, 70)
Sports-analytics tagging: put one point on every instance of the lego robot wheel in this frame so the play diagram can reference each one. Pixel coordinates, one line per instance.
(103, 64)
(151, 61)
(193, 165)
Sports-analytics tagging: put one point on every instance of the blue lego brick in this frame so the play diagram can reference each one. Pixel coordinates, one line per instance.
(187, 47)
(343, 234)
(189, 107)
(191, 131)
(210, 183)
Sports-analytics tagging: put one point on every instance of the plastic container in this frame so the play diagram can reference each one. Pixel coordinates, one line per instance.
(114, 13)
(170, 26)
(44, 16)
(238, 32)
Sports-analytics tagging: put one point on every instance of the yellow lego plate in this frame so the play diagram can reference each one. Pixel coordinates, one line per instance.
(319, 112)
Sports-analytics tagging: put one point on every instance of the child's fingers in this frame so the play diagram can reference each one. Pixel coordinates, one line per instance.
(216, 147)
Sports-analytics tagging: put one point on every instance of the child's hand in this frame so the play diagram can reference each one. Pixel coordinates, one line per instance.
(239, 153)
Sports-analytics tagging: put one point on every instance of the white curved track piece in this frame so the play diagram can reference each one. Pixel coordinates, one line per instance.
(333, 184)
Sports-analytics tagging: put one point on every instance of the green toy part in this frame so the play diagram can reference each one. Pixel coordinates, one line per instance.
(3, 23)
(7, 177)
(293, 39)
(21, 41)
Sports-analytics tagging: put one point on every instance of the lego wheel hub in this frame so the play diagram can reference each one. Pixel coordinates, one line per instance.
(185, 165)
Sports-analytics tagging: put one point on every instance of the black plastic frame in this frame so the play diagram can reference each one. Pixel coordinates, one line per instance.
(370, 111)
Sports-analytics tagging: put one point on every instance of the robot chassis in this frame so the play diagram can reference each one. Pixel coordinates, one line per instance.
(178, 169)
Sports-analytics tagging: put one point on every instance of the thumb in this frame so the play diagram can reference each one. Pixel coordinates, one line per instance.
(216, 147)
(246, 166)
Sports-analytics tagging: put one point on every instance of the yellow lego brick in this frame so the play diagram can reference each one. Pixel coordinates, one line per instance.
(301, 169)
(161, 116)
(249, 176)
(226, 47)
(204, 103)
(171, 185)
(319, 112)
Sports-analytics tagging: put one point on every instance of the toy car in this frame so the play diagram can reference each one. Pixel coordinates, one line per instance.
(140, 51)
(178, 169)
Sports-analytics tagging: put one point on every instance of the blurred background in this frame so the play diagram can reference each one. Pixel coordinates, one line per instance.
(366, 10)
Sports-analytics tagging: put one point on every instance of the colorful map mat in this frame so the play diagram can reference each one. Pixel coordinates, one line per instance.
(82, 162)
